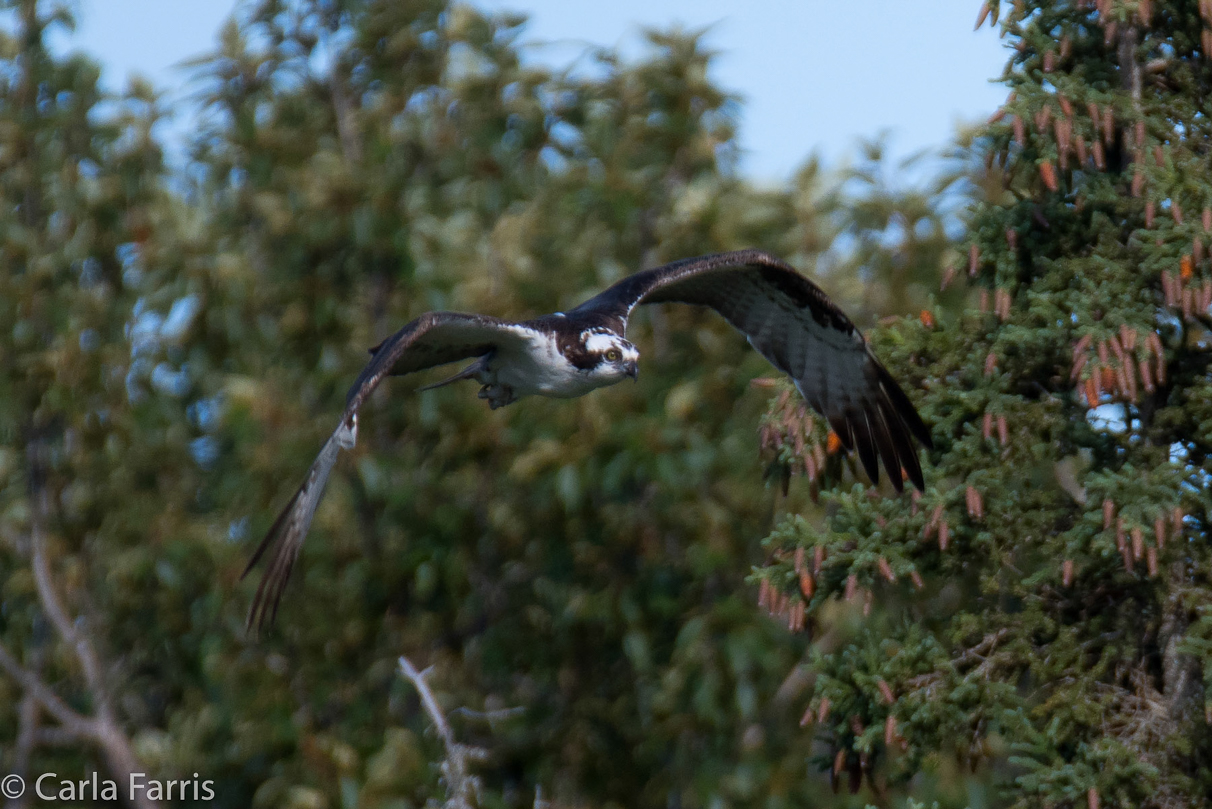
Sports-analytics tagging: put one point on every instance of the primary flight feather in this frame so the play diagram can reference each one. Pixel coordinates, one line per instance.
(785, 317)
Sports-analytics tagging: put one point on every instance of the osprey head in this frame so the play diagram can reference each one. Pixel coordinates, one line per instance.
(616, 358)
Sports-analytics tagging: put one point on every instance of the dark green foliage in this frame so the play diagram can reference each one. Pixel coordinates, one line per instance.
(576, 568)
(579, 573)
(580, 562)
(1059, 638)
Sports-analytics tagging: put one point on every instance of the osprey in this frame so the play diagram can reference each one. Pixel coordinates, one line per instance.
(786, 317)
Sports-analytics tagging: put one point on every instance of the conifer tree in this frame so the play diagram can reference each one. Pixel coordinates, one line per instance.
(1039, 614)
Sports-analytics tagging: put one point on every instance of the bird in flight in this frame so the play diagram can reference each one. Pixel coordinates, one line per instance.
(786, 317)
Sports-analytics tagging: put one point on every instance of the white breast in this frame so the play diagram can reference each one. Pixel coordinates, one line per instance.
(541, 369)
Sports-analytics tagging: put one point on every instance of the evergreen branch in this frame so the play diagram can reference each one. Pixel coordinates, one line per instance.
(980, 652)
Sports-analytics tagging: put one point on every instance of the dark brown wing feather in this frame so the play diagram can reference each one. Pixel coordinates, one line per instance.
(794, 324)
(434, 339)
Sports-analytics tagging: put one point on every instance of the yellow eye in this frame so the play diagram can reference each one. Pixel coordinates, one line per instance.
(614, 355)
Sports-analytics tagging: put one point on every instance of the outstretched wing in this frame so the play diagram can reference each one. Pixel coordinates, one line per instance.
(433, 339)
(792, 323)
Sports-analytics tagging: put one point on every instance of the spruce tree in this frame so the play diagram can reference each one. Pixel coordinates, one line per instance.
(1040, 614)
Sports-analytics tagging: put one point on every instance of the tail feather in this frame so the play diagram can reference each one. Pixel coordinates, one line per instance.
(467, 373)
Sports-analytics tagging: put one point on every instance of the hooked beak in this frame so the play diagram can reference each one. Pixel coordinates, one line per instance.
(633, 370)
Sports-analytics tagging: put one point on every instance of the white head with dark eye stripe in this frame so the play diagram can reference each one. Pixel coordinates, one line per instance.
(616, 358)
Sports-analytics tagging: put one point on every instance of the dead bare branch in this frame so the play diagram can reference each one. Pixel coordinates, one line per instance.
(29, 714)
(102, 728)
(70, 720)
(52, 606)
(463, 788)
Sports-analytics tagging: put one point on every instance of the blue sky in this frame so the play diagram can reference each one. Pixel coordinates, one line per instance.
(814, 75)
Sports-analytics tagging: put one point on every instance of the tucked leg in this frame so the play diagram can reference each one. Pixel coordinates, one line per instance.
(498, 395)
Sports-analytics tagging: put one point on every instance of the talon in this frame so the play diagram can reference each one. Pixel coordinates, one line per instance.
(498, 395)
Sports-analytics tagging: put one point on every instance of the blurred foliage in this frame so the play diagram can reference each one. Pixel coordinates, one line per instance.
(579, 574)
